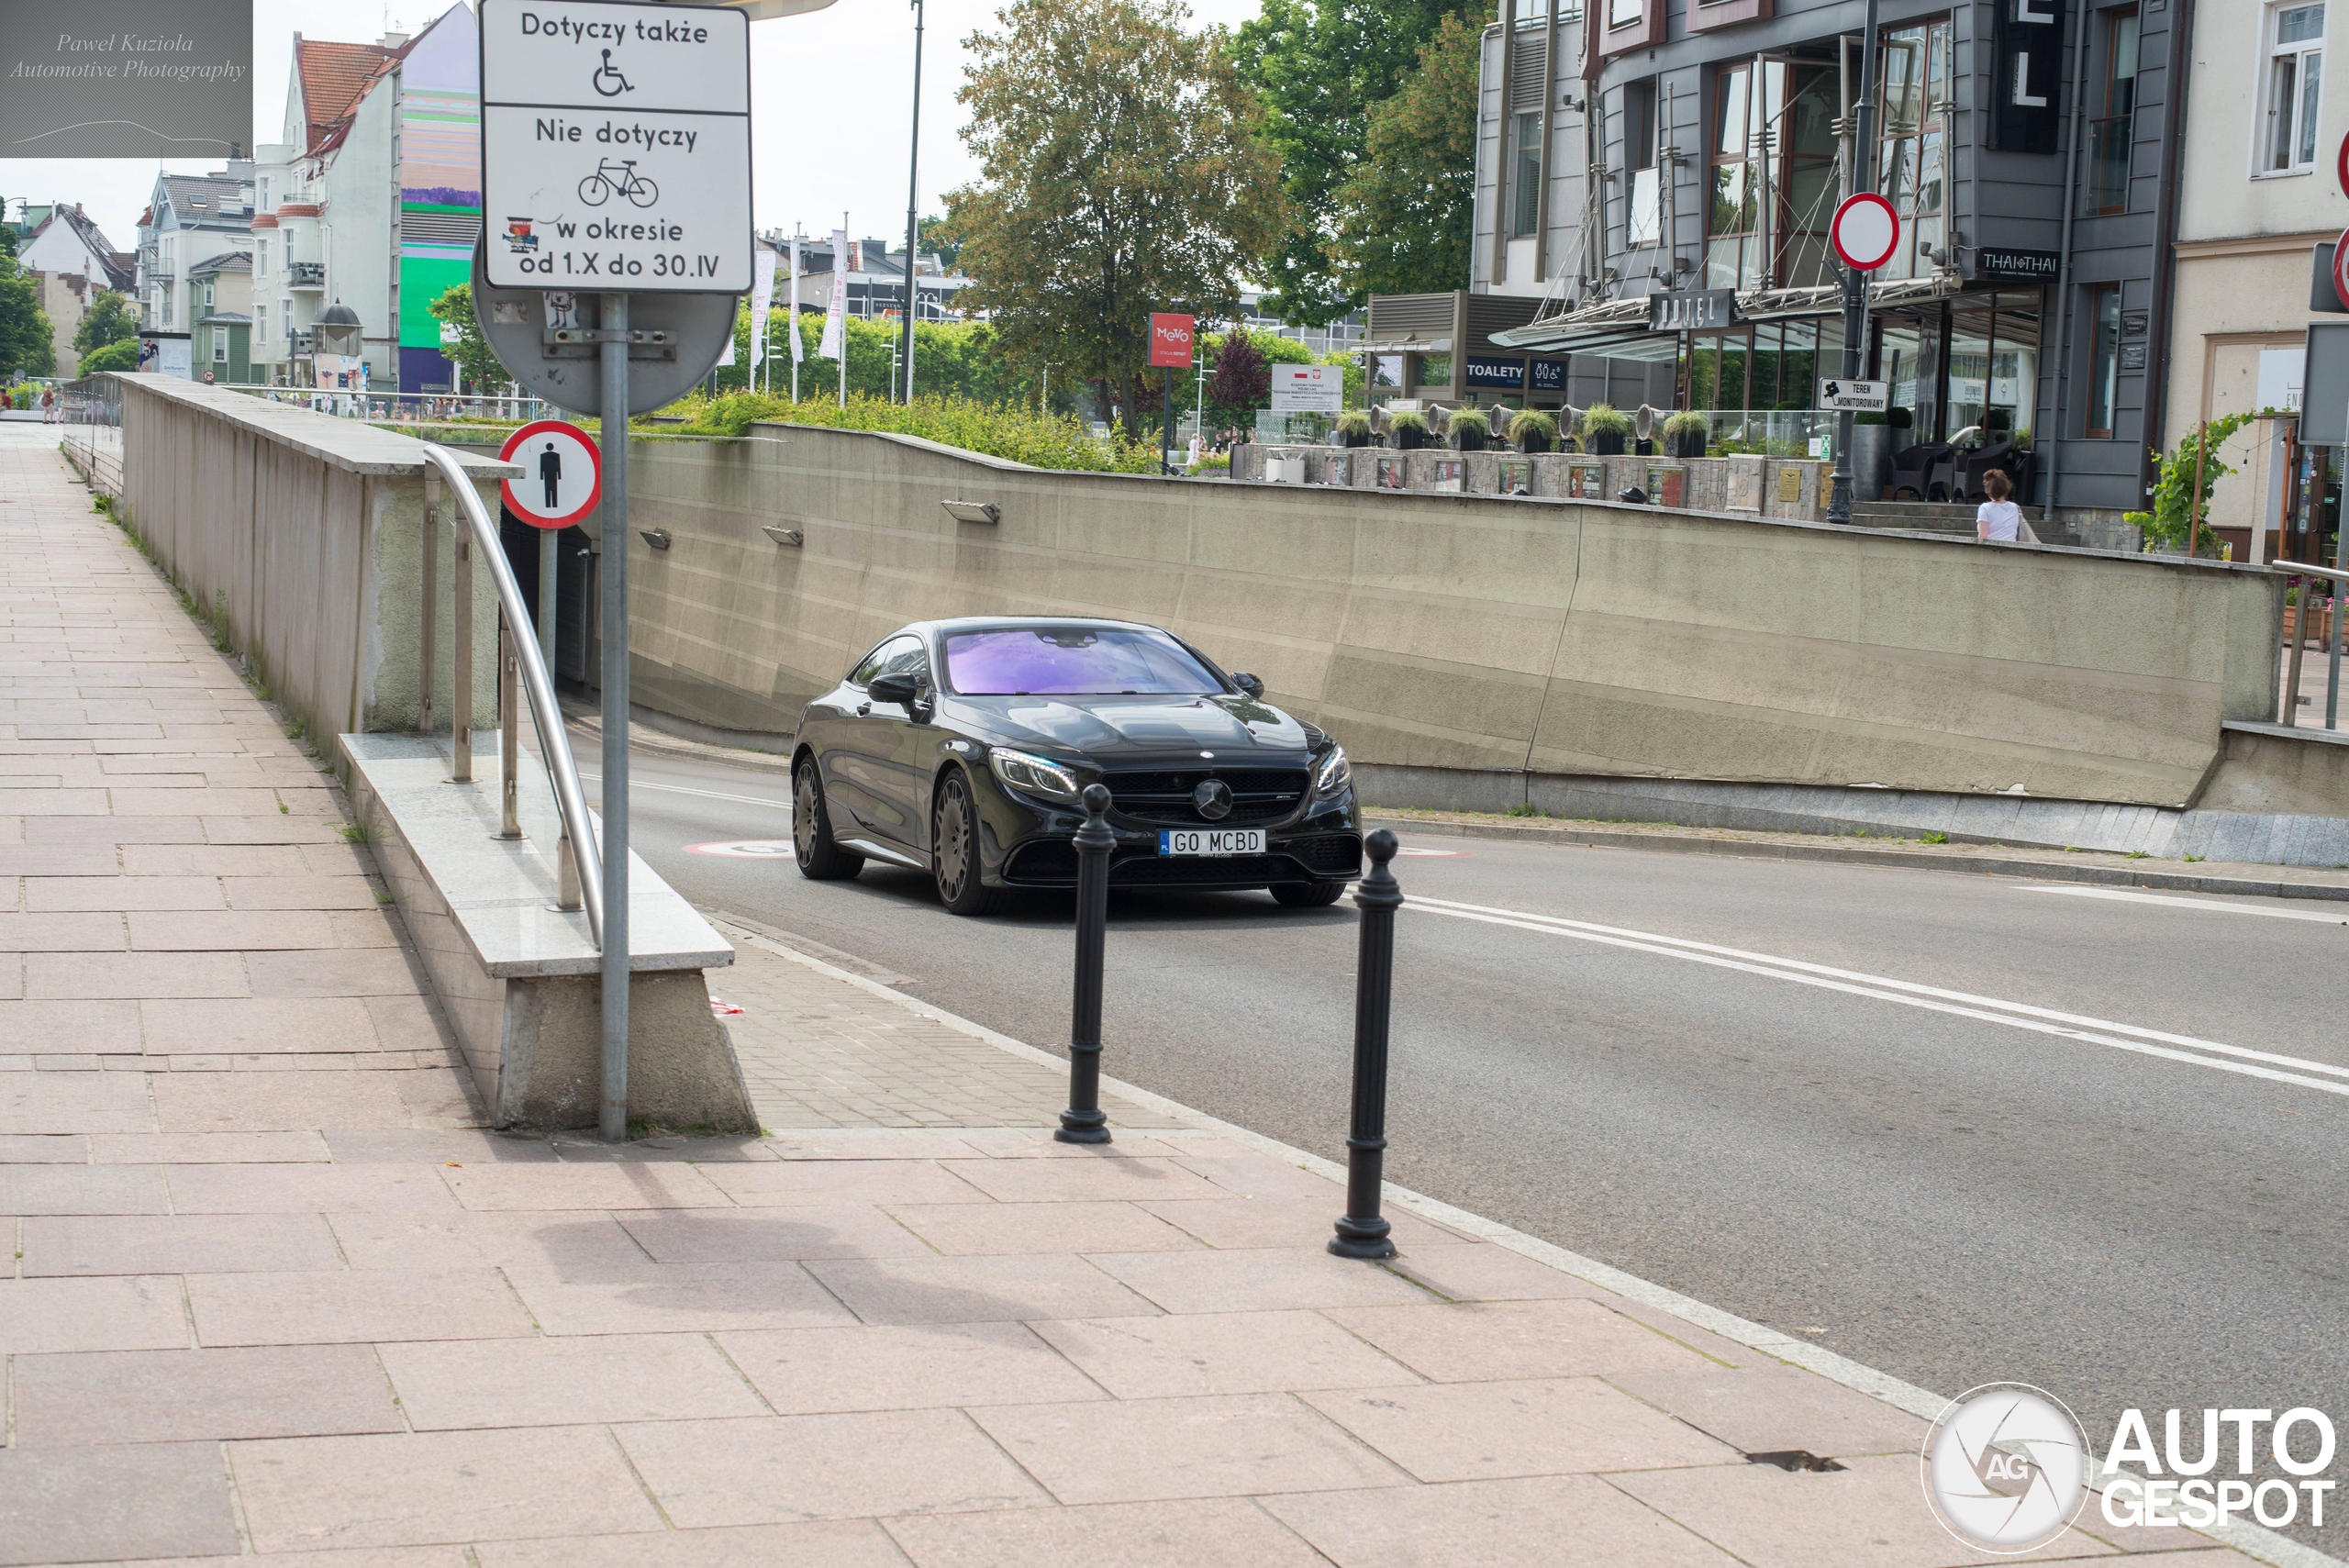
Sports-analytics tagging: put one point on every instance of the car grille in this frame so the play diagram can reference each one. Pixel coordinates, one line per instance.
(1331, 854)
(1258, 794)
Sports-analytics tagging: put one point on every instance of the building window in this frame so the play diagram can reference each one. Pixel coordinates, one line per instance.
(1772, 187)
(219, 345)
(1529, 176)
(2104, 358)
(2109, 136)
(2295, 85)
(260, 258)
(1626, 13)
(1912, 160)
(1645, 223)
(260, 324)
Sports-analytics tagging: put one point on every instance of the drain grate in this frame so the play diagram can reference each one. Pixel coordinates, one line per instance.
(1794, 1459)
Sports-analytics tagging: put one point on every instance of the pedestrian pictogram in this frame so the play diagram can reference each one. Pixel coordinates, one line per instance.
(563, 474)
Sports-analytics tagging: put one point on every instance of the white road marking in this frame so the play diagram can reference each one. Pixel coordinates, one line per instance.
(2214, 904)
(1933, 998)
(635, 784)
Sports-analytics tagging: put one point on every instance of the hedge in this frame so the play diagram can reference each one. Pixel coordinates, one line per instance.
(1022, 435)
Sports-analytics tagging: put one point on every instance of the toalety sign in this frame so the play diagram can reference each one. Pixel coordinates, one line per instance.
(616, 146)
(2007, 1469)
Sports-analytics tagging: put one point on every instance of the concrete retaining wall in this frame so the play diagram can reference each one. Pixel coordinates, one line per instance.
(304, 532)
(1751, 484)
(1467, 631)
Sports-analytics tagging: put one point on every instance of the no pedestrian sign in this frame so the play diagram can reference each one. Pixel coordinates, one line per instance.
(563, 474)
(616, 146)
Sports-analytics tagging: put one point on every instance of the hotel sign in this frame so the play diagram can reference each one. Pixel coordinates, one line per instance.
(1692, 310)
(2029, 44)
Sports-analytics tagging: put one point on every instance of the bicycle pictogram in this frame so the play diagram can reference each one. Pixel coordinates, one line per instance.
(619, 179)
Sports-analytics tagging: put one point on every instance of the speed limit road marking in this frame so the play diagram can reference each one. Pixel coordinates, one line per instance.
(747, 848)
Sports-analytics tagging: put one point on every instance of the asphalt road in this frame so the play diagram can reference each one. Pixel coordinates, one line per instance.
(2128, 1196)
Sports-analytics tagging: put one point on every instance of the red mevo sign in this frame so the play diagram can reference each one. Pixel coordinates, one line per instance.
(1170, 341)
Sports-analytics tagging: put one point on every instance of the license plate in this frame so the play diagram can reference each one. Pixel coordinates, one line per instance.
(1211, 841)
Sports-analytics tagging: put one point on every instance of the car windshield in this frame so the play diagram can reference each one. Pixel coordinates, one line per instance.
(1070, 661)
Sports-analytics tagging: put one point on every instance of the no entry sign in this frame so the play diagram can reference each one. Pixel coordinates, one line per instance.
(2341, 268)
(1865, 231)
(563, 474)
(1170, 341)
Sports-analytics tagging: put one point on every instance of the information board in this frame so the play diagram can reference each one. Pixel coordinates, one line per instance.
(616, 146)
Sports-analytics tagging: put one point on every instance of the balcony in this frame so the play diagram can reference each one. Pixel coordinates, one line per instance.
(306, 274)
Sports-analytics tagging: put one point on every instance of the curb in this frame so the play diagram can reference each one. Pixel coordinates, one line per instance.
(2254, 1541)
(1914, 859)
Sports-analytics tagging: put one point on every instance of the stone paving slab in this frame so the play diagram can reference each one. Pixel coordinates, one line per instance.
(271, 1292)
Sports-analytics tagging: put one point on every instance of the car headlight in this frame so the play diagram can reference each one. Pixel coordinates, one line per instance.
(1035, 775)
(1336, 772)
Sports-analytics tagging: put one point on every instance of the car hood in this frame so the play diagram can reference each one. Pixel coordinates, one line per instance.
(1113, 728)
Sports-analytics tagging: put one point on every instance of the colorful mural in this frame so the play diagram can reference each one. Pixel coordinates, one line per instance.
(440, 180)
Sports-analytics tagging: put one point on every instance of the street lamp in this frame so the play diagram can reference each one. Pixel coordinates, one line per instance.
(913, 167)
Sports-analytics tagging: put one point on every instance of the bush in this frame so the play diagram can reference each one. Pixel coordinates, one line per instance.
(1900, 418)
(1871, 419)
(1408, 419)
(1354, 422)
(1021, 435)
(1535, 421)
(1605, 419)
(122, 354)
(1469, 422)
(1211, 463)
(1689, 423)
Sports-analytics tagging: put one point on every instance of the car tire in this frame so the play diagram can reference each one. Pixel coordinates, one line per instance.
(955, 850)
(819, 855)
(1307, 894)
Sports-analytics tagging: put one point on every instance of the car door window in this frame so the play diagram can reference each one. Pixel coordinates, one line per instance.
(891, 658)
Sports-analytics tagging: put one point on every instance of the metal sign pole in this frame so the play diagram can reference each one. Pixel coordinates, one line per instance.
(1856, 282)
(548, 539)
(611, 1122)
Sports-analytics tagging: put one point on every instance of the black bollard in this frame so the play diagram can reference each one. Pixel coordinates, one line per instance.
(1361, 1233)
(1083, 1122)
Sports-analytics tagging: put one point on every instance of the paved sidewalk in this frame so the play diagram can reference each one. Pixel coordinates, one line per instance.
(269, 1291)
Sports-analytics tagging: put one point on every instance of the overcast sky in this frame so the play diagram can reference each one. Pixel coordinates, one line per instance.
(832, 94)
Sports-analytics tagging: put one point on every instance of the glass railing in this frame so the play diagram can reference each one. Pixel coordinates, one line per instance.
(2109, 163)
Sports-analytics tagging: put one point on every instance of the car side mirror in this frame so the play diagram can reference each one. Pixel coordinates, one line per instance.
(898, 689)
(1253, 685)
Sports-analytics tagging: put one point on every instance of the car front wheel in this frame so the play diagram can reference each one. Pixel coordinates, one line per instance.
(955, 838)
(820, 858)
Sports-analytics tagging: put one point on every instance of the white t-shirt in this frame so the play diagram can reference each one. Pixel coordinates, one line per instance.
(2004, 518)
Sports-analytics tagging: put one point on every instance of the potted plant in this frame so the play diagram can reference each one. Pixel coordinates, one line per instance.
(1409, 429)
(1687, 434)
(1605, 429)
(1469, 429)
(1534, 432)
(1354, 429)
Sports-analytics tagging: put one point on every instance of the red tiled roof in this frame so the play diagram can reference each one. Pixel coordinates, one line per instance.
(333, 76)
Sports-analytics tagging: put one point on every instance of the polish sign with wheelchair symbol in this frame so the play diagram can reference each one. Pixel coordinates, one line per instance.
(616, 146)
(563, 474)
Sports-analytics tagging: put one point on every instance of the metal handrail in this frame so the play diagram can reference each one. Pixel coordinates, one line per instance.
(2302, 569)
(554, 742)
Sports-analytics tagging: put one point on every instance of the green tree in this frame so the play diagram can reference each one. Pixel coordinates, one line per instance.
(932, 238)
(109, 320)
(1121, 174)
(122, 354)
(1321, 67)
(1407, 214)
(470, 353)
(27, 345)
